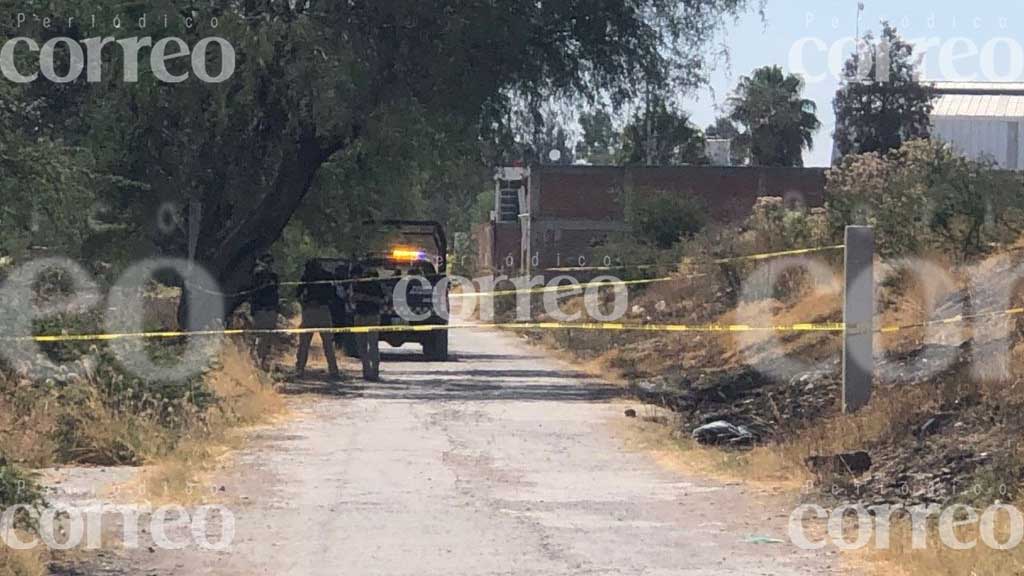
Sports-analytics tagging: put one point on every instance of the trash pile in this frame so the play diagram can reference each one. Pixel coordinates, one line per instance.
(957, 444)
(740, 408)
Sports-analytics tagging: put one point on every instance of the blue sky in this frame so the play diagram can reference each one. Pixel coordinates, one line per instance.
(951, 28)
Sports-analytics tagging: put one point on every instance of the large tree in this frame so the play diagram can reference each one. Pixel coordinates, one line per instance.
(530, 136)
(659, 135)
(51, 191)
(317, 80)
(881, 104)
(778, 123)
(600, 141)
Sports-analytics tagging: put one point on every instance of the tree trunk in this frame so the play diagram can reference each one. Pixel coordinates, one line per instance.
(229, 257)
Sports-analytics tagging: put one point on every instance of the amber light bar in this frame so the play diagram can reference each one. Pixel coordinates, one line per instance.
(408, 254)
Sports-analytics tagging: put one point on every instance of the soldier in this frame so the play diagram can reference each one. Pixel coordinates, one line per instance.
(263, 304)
(366, 299)
(315, 293)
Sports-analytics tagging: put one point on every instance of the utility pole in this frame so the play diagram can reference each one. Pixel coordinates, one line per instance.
(856, 37)
(860, 9)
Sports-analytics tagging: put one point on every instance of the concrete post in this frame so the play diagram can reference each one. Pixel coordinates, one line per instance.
(858, 316)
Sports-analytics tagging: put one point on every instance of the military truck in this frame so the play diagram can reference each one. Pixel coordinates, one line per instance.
(402, 248)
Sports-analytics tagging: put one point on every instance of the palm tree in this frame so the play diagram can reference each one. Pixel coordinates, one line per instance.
(778, 123)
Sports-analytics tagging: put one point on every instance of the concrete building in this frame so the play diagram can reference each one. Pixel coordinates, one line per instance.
(549, 216)
(719, 151)
(982, 120)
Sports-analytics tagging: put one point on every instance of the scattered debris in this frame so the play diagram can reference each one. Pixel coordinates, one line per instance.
(934, 424)
(848, 464)
(763, 540)
(722, 432)
(750, 398)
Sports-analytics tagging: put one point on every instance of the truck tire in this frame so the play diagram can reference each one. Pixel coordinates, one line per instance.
(435, 346)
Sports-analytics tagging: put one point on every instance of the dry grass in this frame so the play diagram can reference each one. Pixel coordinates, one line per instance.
(104, 436)
(765, 467)
(23, 562)
(247, 394)
(780, 468)
(181, 477)
(938, 559)
(48, 429)
(26, 431)
(891, 413)
(247, 398)
(890, 418)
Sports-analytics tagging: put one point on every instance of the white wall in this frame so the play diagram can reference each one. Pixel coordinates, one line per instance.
(979, 138)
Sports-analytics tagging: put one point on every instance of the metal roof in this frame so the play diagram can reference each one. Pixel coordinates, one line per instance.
(981, 88)
(979, 99)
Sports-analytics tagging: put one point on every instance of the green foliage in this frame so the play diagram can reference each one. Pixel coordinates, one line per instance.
(661, 219)
(776, 227)
(530, 134)
(880, 104)
(925, 196)
(46, 187)
(600, 142)
(99, 413)
(17, 486)
(297, 246)
(661, 135)
(778, 124)
(387, 97)
(639, 257)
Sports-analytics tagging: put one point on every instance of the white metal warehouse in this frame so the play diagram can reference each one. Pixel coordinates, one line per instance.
(982, 120)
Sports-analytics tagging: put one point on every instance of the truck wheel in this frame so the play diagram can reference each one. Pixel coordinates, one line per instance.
(435, 346)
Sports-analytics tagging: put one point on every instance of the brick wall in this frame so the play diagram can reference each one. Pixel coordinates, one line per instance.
(572, 208)
(496, 242)
(598, 192)
(577, 192)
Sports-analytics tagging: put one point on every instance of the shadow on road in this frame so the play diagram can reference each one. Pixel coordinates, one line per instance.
(455, 385)
(417, 358)
(497, 374)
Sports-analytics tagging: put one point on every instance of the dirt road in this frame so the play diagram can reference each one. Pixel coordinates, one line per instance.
(502, 461)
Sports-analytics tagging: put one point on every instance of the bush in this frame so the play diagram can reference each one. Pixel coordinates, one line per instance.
(90, 409)
(771, 227)
(776, 227)
(18, 487)
(925, 196)
(662, 219)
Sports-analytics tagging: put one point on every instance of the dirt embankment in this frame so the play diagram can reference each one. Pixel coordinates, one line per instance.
(946, 412)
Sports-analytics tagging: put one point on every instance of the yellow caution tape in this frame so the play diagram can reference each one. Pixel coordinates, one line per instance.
(953, 320)
(292, 283)
(616, 326)
(762, 256)
(608, 326)
(565, 287)
(768, 255)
